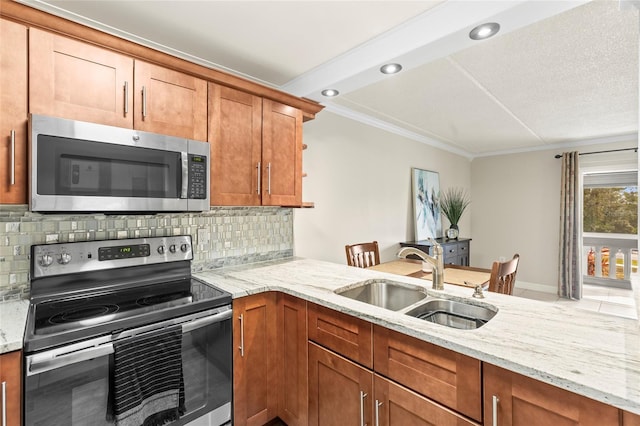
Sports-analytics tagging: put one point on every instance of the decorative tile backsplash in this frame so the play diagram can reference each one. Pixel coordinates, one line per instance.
(221, 236)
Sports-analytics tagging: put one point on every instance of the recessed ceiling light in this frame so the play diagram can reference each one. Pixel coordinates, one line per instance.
(483, 31)
(390, 68)
(330, 93)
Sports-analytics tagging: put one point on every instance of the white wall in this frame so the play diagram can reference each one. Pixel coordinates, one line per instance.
(360, 180)
(516, 208)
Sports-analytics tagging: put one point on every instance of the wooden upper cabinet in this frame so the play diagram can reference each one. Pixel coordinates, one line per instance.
(520, 400)
(256, 150)
(281, 154)
(13, 118)
(235, 137)
(170, 102)
(79, 81)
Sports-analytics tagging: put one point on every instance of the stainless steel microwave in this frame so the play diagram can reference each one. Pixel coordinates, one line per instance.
(77, 166)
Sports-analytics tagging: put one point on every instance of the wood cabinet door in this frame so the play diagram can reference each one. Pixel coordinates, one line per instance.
(235, 137)
(79, 81)
(292, 360)
(13, 113)
(254, 360)
(281, 154)
(169, 102)
(522, 401)
(396, 405)
(630, 419)
(448, 377)
(347, 335)
(340, 391)
(11, 379)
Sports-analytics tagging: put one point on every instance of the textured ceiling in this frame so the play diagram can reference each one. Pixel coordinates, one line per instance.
(559, 72)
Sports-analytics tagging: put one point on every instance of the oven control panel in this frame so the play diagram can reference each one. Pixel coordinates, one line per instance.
(67, 258)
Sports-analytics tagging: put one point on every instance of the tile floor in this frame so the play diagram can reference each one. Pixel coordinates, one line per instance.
(612, 301)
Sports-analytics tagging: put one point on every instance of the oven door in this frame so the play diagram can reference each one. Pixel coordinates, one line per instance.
(69, 386)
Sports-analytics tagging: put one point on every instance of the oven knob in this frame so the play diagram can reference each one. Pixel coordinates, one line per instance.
(46, 260)
(172, 248)
(184, 248)
(64, 258)
(161, 249)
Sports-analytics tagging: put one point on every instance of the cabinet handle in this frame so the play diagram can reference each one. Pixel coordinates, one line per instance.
(494, 410)
(269, 178)
(362, 397)
(241, 347)
(13, 157)
(126, 97)
(4, 403)
(378, 404)
(144, 102)
(259, 167)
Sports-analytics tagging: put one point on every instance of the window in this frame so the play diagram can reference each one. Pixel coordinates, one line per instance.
(610, 203)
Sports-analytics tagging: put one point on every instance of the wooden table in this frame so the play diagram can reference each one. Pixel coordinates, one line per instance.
(453, 274)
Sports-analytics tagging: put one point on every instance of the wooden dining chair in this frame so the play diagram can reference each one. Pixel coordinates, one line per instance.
(363, 255)
(503, 275)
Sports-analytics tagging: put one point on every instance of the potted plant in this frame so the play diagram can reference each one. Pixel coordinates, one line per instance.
(453, 202)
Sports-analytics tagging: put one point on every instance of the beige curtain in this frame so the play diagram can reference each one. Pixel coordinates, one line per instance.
(570, 270)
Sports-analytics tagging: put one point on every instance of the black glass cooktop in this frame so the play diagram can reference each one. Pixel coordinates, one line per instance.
(88, 310)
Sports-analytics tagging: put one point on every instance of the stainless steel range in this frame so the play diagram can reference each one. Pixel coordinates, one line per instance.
(88, 299)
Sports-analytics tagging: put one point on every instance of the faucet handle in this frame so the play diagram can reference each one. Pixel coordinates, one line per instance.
(477, 293)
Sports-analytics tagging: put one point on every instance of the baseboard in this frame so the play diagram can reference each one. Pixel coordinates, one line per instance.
(523, 285)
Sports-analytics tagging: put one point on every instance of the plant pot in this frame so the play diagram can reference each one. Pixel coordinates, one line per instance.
(453, 232)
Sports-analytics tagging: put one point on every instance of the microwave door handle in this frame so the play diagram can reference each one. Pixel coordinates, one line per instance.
(184, 160)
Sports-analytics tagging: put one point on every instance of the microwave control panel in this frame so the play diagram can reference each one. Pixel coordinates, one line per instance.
(197, 176)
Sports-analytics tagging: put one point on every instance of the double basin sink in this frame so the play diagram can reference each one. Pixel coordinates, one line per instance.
(397, 296)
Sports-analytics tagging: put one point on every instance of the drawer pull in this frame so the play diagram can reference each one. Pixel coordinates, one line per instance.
(494, 410)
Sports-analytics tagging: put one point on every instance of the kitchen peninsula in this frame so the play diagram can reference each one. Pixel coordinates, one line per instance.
(590, 354)
(585, 353)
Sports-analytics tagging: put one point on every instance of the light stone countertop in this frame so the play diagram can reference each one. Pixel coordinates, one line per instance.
(592, 354)
(13, 315)
(589, 353)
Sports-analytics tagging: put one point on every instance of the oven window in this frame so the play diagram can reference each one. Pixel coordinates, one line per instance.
(77, 394)
(86, 168)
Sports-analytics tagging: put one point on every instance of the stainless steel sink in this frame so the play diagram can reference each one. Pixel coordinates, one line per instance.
(453, 314)
(386, 294)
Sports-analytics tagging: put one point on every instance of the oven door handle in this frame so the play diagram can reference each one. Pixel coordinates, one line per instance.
(202, 322)
(36, 365)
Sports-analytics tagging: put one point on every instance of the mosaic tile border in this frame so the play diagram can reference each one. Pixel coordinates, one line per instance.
(222, 236)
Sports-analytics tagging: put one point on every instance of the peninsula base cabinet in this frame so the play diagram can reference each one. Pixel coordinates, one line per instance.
(11, 391)
(342, 392)
(511, 399)
(311, 365)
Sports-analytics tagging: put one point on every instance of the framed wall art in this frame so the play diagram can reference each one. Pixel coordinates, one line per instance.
(426, 203)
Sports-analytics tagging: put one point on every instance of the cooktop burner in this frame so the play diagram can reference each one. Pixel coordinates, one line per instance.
(85, 312)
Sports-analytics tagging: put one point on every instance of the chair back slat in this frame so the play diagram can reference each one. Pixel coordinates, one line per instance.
(503, 275)
(363, 255)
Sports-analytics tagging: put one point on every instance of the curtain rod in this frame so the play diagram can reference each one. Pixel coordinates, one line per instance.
(602, 152)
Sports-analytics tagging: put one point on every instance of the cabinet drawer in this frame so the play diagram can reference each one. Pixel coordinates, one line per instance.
(447, 377)
(347, 335)
(450, 250)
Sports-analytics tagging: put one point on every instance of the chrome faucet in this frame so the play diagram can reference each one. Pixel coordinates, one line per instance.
(437, 260)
